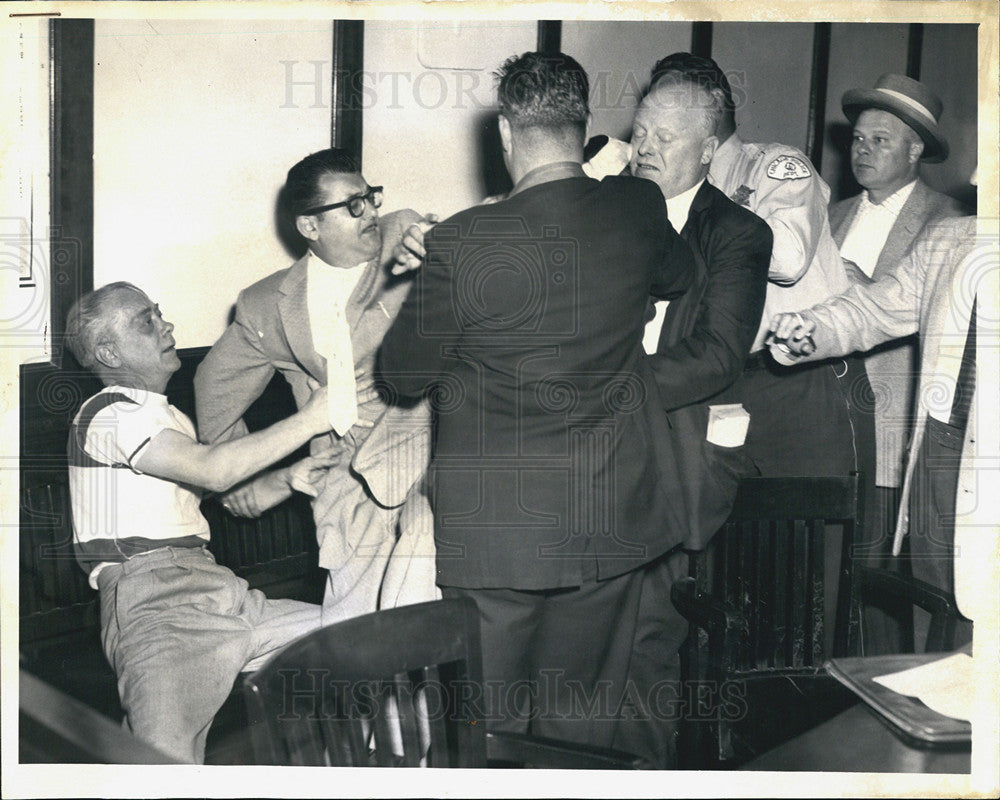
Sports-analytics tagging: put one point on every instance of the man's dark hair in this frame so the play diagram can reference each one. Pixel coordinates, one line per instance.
(301, 190)
(543, 90)
(697, 70)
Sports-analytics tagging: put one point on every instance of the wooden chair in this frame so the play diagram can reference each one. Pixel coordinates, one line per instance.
(753, 663)
(401, 687)
(888, 589)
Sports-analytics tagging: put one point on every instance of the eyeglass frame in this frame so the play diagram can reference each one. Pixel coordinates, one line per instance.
(367, 197)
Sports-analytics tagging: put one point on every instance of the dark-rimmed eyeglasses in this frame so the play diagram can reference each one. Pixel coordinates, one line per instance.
(355, 205)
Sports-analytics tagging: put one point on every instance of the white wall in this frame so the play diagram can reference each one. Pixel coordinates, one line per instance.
(619, 57)
(193, 135)
(769, 68)
(949, 59)
(430, 109)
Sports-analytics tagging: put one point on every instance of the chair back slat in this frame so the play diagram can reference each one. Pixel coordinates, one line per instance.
(354, 732)
(336, 737)
(797, 588)
(763, 601)
(744, 576)
(780, 560)
(344, 735)
(817, 573)
(303, 747)
(387, 738)
(409, 699)
(439, 754)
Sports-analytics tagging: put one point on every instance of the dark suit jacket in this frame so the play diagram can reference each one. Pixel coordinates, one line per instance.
(707, 333)
(528, 318)
(703, 346)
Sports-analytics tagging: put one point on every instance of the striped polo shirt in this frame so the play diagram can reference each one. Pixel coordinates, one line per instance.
(118, 511)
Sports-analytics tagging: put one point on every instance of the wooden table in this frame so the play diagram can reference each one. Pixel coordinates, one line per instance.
(856, 740)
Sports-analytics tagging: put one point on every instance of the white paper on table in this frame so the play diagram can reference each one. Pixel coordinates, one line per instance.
(945, 685)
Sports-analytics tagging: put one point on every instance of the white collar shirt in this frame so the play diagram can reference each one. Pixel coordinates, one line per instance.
(870, 228)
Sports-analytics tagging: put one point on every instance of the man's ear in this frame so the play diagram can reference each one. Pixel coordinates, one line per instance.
(504, 126)
(916, 150)
(106, 354)
(307, 227)
(708, 148)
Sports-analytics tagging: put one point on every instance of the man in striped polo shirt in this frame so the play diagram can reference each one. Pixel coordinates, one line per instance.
(176, 627)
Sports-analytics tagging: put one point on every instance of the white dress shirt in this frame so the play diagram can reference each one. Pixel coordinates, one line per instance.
(868, 232)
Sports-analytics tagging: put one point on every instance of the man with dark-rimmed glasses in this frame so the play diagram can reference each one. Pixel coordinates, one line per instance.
(320, 323)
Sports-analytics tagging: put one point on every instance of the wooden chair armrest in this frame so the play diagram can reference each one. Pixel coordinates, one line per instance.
(939, 603)
(703, 610)
(508, 749)
(920, 593)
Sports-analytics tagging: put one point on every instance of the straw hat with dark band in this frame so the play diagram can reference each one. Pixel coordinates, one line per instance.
(907, 99)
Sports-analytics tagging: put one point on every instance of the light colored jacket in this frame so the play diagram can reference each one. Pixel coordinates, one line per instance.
(271, 331)
(916, 295)
(892, 370)
(780, 185)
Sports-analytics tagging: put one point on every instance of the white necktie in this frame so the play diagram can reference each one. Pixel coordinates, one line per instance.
(341, 398)
(329, 290)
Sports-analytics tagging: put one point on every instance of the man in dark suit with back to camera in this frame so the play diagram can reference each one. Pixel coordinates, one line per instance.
(548, 493)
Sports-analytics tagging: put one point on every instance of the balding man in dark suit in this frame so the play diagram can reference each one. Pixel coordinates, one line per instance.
(697, 349)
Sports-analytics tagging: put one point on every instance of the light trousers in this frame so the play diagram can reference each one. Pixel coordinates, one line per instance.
(178, 630)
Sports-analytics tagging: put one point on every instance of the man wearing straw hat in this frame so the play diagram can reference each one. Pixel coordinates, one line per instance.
(895, 129)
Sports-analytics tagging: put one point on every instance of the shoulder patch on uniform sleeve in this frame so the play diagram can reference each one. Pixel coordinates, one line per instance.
(786, 168)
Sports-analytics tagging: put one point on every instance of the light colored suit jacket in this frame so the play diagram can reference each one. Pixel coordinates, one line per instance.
(892, 369)
(914, 296)
(271, 331)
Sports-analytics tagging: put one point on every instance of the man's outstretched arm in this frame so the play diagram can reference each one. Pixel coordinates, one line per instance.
(173, 456)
